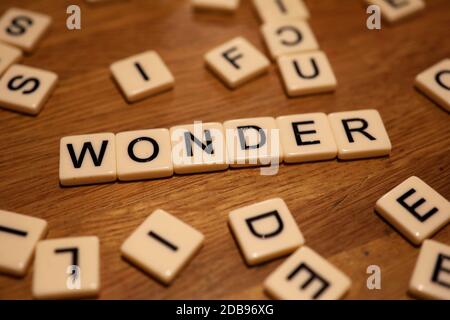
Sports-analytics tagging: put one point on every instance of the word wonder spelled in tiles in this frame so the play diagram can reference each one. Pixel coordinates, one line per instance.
(26, 89)
(305, 275)
(67, 268)
(19, 235)
(162, 245)
(435, 83)
(415, 209)
(265, 231)
(23, 28)
(431, 276)
(205, 147)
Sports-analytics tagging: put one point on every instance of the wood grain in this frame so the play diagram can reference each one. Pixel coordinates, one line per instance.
(332, 201)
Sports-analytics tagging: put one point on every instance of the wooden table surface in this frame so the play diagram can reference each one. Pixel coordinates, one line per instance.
(332, 201)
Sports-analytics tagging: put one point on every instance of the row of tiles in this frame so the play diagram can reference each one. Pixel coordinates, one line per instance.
(286, 32)
(237, 61)
(275, 10)
(205, 147)
(304, 69)
(162, 245)
(290, 41)
(26, 89)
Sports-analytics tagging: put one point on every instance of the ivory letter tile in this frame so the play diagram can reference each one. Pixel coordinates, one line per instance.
(306, 137)
(305, 275)
(198, 148)
(19, 235)
(286, 37)
(23, 28)
(142, 75)
(144, 154)
(435, 83)
(431, 276)
(236, 62)
(415, 209)
(162, 245)
(87, 159)
(265, 230)
(26, 89)
(253, 142)
(359, 134)
(307, 73)
(67, 268)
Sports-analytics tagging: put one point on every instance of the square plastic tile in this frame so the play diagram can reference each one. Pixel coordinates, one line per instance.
(306, 137)
(198, 148)
(431, 276)
(435, 83)
(236, 62)
(415, 209)
(26, 89)
(87, 159)
(142, 75)
(359, 134)
(305, 275)
(286, 37)
(19, 235)
(307, 73)
(23, 28)
(253, 142)
(67, 268)
(265, 231)
(143, 154)
(162, 245)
